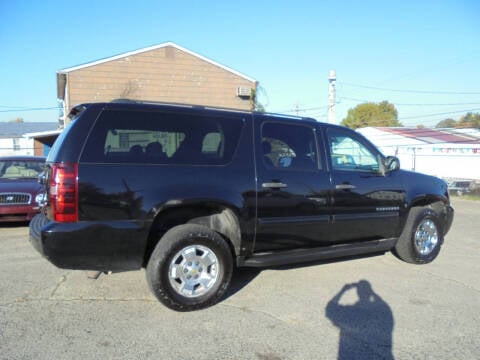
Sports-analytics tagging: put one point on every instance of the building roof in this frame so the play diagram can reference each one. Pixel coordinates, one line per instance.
(388, 136)
(16, 130)
(155, 47)
(435, 136)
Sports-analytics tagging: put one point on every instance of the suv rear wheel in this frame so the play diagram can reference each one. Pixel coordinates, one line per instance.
(190, 268)
(421, 238)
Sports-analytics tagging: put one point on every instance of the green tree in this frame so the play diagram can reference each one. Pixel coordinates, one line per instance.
(255, 105)
(447, 123)
(17, 120)
(381, 114)
(470, 120)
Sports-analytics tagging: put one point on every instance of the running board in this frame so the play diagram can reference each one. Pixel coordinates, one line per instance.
(284, 257)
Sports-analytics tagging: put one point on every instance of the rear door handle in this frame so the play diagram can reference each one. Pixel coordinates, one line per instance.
(274, 185)
(345, 187)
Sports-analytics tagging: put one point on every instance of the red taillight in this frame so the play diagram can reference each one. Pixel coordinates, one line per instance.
(64, 192)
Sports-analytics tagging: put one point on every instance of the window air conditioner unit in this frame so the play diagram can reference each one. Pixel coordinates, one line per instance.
(244, 91)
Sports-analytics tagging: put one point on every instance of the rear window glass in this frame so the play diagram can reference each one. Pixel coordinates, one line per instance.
(162, 138)
(20, 168)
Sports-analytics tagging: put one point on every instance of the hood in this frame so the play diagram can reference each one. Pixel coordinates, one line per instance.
(422, 185)
(20, 185)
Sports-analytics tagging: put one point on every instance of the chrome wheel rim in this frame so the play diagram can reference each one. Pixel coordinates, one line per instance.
(193, 271)
(426, 237)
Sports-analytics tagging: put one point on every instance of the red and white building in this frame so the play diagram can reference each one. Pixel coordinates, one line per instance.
(446, 153)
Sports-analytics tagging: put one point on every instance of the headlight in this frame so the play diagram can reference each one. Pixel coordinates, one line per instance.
(40, 198)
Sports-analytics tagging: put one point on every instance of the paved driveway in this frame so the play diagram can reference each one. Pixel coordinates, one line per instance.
(376, 307)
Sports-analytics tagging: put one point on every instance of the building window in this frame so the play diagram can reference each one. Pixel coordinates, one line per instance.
(16, 144)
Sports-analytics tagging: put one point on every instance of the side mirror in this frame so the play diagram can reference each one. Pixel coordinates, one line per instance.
(392, 163)
(42, 178)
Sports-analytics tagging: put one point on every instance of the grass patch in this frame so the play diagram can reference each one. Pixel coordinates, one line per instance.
(467, 197)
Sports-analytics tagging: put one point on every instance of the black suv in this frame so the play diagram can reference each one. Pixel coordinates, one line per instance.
(189, 192)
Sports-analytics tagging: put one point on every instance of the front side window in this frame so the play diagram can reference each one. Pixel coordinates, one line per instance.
(162, 138)
(348, 153)
(288, 147)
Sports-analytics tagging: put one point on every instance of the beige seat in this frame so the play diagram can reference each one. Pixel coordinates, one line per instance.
(25, 172)
(12, 171)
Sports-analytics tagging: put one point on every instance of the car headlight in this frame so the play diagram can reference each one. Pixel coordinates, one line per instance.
(40, 198)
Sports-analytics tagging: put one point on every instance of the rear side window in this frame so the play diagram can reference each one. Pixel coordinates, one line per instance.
(289, 147)
(162, 138)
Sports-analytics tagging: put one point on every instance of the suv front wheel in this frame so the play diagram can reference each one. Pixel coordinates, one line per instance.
(421, 238)
(190, 268)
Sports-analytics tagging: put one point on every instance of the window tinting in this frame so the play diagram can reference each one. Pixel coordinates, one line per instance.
(162, 138)
(289, 147)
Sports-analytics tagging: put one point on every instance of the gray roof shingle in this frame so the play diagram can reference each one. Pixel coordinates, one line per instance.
(15, 130)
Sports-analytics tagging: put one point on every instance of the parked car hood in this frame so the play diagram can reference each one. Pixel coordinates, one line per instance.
(20, 185)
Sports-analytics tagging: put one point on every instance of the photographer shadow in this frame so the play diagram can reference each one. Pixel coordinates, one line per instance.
(366, 326)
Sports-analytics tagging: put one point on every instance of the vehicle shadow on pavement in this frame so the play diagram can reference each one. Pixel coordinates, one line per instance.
(366, 325)
(241, 278)
(14, 224)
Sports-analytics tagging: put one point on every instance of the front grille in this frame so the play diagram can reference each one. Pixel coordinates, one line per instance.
(15, 198)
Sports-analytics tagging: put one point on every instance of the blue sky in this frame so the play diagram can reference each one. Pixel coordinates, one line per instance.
(423, 56)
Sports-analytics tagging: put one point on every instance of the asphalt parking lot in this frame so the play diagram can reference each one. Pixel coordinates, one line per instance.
(374, 307)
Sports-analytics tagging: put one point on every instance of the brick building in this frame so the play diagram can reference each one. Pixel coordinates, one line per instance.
(165, 72)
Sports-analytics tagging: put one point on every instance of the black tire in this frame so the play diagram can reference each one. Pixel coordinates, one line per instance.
(190, 268)
(421, 237)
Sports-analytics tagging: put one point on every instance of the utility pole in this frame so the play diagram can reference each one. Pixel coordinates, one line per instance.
(332, 78)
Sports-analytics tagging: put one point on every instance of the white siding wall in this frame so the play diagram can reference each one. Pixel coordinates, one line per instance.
(444, 160)
(7, 146)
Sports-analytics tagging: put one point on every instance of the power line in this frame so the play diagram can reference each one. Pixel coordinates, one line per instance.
(27, 109)
(412, 91)
(401, 118)
(438, 114)
(303, 109)
(418, 104)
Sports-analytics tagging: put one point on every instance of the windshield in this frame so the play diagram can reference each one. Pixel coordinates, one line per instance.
(14, 169)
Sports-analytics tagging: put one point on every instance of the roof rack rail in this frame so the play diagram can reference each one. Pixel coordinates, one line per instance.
(123, 100)
(208, 107)
(150, 102)
(192, 106)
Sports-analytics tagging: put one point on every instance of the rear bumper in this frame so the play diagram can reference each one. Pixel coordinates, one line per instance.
(35, 232)
(12, 213)
(116, 246)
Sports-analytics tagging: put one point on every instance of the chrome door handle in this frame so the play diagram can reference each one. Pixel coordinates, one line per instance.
(274, 185)
(345, 187)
